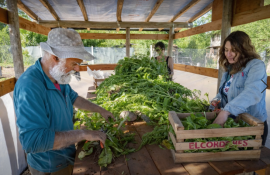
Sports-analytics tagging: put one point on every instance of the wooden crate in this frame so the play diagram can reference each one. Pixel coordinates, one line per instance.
(181, 134)
(96, 82)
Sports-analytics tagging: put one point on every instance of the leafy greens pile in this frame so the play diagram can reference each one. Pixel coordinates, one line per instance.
(140, 85)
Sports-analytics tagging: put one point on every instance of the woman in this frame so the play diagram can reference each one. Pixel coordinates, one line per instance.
(241, 85)
(160, 49)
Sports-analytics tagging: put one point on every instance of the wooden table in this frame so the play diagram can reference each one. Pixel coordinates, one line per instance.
(152, 160)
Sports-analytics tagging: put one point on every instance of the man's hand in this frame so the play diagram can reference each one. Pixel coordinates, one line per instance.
(222, 118)
(106, 114)
(95, 136)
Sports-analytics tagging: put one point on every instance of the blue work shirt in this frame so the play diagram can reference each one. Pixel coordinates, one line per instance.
(246, 93)
(42, 110)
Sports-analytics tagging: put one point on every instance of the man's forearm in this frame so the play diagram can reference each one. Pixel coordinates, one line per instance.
(67, 138)
(84, 104)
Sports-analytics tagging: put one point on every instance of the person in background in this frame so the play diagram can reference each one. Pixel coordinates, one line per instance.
(241, 88)
(160, 49)
(44, 100)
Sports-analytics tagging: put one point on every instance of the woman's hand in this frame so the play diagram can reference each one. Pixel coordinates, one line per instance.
(222, 118)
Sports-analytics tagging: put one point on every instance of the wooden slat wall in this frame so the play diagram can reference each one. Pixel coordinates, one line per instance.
(98, 67)
(7, 86)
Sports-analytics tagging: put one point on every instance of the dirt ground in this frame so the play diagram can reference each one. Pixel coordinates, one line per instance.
(8, 72)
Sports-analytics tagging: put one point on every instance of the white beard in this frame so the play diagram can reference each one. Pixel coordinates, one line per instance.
(58, 73)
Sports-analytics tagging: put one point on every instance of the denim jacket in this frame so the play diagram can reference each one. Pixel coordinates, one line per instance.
(245, 92)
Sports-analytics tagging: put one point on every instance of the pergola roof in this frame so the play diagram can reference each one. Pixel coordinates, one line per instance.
(58, 13)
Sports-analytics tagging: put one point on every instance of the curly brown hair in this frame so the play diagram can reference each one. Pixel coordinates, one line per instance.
(245, 51)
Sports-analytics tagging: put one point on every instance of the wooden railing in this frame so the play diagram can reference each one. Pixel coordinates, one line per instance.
(7, 86)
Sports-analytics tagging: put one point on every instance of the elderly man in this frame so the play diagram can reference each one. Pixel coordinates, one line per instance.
(44, 105)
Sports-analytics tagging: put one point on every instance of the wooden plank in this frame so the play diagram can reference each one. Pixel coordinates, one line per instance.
(98, 67)
(251, 16)
(185, 9)
(219, 156)
(33, 27)
(7, 86)
(227, 167)
(216, 144)
(3, 16)
(253, 121)
(197, 70)
(199, 169)
(118, 167)
(265, 155)
(140, 162)
(219, 132)
(155, 8)
(161, 157)
(215, 25)
(123, 36)
(127, 42)
(15, 38)
(49, 7)
(84, 12)
(175, 121)
(201, 13)
(209, 115)
(245, 5)
(26, 10)
(120, 4)
(251, 165)
(217, 10)
(91, 24)
(88, 165)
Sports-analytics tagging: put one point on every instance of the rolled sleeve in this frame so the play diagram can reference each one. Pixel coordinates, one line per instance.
(32, 119)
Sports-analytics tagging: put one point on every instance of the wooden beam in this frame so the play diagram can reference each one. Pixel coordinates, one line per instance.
(81, 4)
(123, 36)
(51, 10)
(128, 42)
(15, 38)
(26, 10)
(185, 9)
(90, 24)
(24, 23)
(217, 8)
(7, 86)
(225, 30)
(98, 67)
(197, 70)
(171, 33)
(120, 4)
(251, 16)
(158, 3)
(201, 13)
(215, 25)
(3, 16)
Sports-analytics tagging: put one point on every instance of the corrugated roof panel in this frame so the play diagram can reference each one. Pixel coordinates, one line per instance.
(168, 9)
(101, 10)
(67, 9)
(38, 8)
(193, 10)
(137, 10)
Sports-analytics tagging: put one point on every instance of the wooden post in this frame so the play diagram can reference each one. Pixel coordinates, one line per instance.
(15, 39)
(0, 71)
(171, 32)
(225, 29)
(128, 42)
